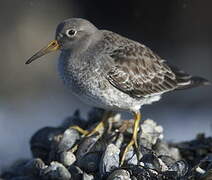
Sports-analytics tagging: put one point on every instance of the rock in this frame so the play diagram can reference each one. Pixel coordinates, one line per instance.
(151, 161)
(76, 172)
(109, 160)
(151, 132)
(67, 158)
(87, 145)
(90, 162)
(70, 136)
(40, 142)
(181, 167)
(56, 171)
(97, 156)
(119, 174)
(33, 167)
(86, 176)
(131, 157)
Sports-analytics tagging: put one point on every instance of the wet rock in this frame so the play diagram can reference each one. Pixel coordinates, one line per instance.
(67, 158)
(76, 172)
(119, 140)
(119, 174)
(90, 162)
(109, 160)
(87, 145)
(151, 161)
(56, 171)
(33, 167)
(142, 172)
(181, 167)
(70, 136)
(167, 161)
(40, 142)
(86, 176)
(131, 157)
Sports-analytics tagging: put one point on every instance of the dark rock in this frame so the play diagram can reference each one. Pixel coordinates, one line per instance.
(90, 162)
(86, 145)
(76, 172)
(56, 171)
(167, 160)
(40, 142)
(141, 172)
(109, 160)
(181, 167)
(151, 161)
(33, 167)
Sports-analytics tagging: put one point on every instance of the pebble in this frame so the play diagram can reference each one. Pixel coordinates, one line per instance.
(67, 158)
(70, 136)
(86, 176)
(181, 167)
(131, 157)
(41, 141)
(90, 162)
(56, 171)
(76, 172)
(119, 174)
(151, 161)
(87, 145)
(109, 160)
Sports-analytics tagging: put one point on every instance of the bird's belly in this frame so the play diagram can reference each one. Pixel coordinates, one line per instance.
(92, 88)
(108, 97)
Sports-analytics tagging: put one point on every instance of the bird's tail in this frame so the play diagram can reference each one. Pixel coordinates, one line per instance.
(186, 81)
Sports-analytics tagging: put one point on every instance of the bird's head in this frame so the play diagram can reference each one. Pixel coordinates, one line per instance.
(69, 34)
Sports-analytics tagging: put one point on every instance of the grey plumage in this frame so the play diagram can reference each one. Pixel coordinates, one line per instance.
(107, 70)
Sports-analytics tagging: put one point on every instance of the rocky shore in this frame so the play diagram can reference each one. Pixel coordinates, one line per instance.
(62, 153)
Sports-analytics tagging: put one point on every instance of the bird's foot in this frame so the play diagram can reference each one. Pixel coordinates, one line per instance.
(98, 129)
(133, 140)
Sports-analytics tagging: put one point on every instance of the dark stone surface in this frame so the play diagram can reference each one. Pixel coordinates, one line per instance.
(98, 156)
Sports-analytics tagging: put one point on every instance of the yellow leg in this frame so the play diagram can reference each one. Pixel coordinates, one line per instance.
(133, 141)
(79, 129)
(99, 126)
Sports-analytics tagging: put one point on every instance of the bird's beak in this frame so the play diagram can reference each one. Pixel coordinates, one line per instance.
(52, 46)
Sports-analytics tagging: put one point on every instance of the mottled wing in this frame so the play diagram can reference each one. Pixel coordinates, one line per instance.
(137, 71)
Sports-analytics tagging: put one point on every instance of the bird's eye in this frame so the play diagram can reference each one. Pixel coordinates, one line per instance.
(71, 32)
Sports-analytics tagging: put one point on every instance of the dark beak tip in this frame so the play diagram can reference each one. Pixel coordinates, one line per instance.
(27, 62)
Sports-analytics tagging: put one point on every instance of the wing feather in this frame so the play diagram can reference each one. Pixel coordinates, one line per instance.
(137, 71)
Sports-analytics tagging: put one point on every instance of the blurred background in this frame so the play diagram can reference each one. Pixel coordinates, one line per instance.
(33, 96)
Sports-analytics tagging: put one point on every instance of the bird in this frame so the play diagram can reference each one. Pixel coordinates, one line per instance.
(112, 72)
